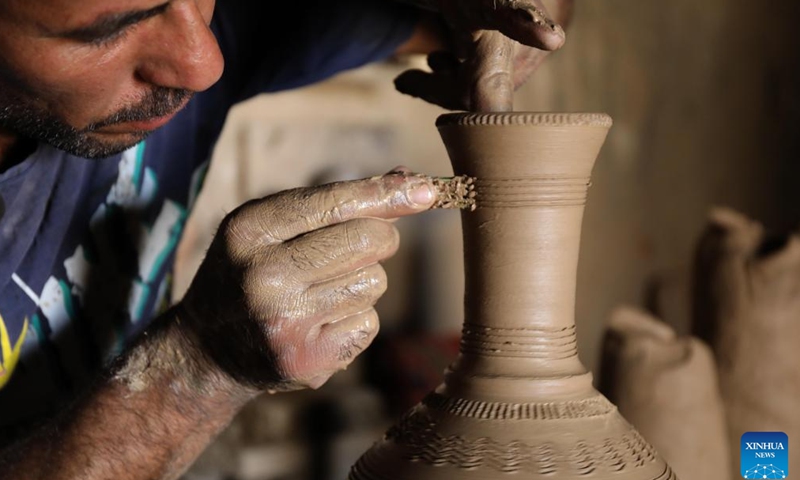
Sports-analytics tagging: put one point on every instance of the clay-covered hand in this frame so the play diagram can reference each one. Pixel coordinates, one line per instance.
(498, 44)
(285, 296)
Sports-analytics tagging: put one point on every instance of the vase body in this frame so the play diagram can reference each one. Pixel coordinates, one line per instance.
(517, 402)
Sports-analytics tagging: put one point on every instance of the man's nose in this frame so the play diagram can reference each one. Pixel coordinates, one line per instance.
(184, 53)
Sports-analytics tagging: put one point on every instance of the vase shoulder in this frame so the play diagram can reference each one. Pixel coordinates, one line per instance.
(447, 437)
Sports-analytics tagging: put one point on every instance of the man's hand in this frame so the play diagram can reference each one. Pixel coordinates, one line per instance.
(285, 296)
(283, 300)
(498, 44)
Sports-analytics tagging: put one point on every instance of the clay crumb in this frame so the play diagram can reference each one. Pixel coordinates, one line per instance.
(537, 16)
(455, 192)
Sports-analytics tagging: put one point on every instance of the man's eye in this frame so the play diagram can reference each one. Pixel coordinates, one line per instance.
(113, 28)
(98, 38)
(108, 38)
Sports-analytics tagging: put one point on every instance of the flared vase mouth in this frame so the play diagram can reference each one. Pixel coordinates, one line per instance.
(548, 119)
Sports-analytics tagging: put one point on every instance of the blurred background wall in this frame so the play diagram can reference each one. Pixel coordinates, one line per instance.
(706, 112)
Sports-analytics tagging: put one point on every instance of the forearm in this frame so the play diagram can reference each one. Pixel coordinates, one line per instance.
(148, 419)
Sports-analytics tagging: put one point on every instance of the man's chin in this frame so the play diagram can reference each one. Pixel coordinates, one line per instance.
(99, 145)
(120, 138)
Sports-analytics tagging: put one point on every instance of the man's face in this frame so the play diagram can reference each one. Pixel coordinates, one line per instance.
(94, 77)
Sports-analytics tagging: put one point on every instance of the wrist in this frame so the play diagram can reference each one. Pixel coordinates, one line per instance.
(170, 354)
(234, 345)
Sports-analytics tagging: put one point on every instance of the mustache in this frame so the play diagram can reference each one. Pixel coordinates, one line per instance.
(159, 102)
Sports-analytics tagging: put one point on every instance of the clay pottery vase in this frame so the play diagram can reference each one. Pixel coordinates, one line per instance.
(517, 402)
(747, 305)
(666, 386)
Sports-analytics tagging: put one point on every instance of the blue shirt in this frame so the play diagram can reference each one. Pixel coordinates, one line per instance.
(86, 246)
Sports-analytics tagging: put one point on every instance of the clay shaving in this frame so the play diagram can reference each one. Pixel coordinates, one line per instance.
(539, 17)
(455, 192)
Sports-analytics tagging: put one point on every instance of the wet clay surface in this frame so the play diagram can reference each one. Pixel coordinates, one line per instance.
(518, 401)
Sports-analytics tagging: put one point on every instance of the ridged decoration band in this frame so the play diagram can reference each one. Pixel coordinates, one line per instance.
(531, 192)
(541, 343)
(586, 408)
(520, 118)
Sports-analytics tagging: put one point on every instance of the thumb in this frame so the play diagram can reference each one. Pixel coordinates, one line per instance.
(528, 22)
(490, 72)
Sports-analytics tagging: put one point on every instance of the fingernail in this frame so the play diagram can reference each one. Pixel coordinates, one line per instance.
(420, 194)
(400, 169)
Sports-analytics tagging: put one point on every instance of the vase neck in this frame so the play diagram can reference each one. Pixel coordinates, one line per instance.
(521, 257)
(521, 244)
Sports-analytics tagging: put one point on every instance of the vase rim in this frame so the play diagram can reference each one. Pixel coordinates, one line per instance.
(549, 119)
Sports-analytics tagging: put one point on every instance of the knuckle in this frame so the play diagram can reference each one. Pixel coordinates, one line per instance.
(376, 281)
(270, 292)
(304, 257)
(359, 338)
(296, 307)
(248, 227)
(358, 235)
(259, 292)
(234, 236)
(354, 345)
(270, 270)
(334, 205)
(495, 80)
(318, 250)
(367, 286)
(371, 235)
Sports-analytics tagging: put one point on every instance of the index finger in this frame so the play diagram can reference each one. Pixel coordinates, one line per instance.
(490, 72)
(291, 213)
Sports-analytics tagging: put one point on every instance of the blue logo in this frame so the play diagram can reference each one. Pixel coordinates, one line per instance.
(764, 455)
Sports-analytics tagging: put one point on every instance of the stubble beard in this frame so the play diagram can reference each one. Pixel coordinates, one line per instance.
(28, 120)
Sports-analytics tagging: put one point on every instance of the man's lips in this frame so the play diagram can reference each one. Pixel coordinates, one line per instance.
(139, 126)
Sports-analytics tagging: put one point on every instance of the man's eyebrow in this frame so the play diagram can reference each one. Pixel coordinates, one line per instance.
(110, 24)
